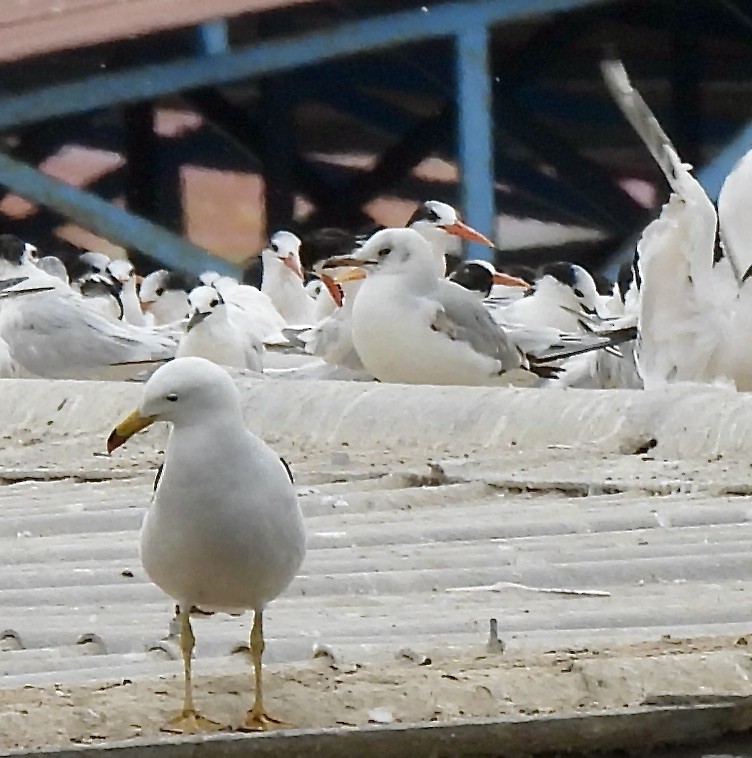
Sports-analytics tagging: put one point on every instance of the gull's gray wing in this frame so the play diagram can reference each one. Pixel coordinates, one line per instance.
(463, 317)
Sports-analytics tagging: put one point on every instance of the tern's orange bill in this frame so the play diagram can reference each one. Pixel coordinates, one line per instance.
(293, 265)
(334, 290)
(510, 281)
(460, 229)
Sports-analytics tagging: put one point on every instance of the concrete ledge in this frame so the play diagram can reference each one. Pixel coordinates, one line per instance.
(586, 734)
(685, 420)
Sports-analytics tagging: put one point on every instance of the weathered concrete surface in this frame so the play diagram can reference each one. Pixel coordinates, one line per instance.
(590, 524)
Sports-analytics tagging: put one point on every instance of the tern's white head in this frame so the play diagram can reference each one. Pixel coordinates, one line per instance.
(480, 276)
(86, 264)
(30, 254)
(578, 280)
(209, 277)
(202, 303)
(164, 294)
(153, 286)
(15, 252)
(121, 270)
(53, 266)
(435, 220)
(285, 248)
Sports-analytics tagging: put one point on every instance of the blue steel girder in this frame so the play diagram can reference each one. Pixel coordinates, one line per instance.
(468, 21)
(108, 220)
(370, 110)
(266, 58)
(212, 37)
(475, 143)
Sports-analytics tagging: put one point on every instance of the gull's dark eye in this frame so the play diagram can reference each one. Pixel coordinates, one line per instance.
(578, 293)
(383, 252)
(274, 247)
(214, 303)
(160, 291)
(172, 397)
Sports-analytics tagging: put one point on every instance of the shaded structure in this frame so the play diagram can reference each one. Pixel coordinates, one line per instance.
(349, 112)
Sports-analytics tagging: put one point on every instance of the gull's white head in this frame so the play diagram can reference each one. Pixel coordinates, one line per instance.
(184, 391)
(121, 270)
(284, 247)
(392, 251)
(202, 302)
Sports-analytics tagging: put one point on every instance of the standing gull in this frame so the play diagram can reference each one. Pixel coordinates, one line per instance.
(224, 532)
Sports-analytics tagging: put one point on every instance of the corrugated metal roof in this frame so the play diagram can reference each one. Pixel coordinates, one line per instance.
(33, 27)
(536, 511)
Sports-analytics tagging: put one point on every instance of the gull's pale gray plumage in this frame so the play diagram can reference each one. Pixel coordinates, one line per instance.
(463, 317)
(225, 531)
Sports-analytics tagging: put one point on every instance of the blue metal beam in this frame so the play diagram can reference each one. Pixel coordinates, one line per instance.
(213, 37)
(475, 133)
(148, 82)
(712, 175)
(108, 220)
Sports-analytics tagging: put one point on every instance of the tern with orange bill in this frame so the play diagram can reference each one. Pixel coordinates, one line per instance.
(482, 277)
(283, 280)
(439, 223)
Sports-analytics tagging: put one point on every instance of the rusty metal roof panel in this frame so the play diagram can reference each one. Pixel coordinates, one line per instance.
(35, 27)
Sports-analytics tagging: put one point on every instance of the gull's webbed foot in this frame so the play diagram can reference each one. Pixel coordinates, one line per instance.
(261, 722)
(191, 722)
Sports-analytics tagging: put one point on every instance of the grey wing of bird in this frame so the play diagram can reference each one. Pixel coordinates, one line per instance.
(7, 283)
(463, 317)
(56, 334)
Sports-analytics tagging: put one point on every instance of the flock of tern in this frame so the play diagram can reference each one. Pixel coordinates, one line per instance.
(384, 308)
(91, 317)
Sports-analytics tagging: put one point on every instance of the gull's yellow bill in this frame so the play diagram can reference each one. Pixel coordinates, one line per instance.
(132, 423)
